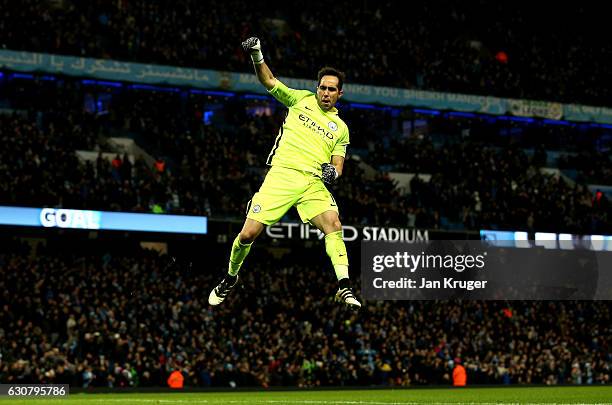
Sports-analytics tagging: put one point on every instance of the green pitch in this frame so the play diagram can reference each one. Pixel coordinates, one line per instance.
(565, 395)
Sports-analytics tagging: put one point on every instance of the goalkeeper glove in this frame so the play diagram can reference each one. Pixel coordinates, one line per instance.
(253, 47)
(329, 173)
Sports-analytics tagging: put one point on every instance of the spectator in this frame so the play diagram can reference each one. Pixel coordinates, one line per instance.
(459, 374)
(176, 379)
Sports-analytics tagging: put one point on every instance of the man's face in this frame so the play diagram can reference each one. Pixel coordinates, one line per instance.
(328, 92)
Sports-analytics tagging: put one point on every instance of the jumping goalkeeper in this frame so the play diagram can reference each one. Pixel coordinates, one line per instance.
(309, 150)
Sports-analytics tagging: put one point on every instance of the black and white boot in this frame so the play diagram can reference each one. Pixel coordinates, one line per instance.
(218, 294)
(345, 294)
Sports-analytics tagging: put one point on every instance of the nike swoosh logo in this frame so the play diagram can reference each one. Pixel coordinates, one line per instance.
(333, 205)
(340, 255)
(308, 108)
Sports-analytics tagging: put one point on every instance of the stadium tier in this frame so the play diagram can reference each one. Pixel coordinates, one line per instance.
(537, 52)
(405, 168)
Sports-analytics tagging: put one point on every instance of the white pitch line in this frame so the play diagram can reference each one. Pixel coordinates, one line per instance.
(273, 401)
(270, 401)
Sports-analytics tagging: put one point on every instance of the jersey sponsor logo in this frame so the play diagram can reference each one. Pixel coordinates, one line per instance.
(256, 208)
(314, 127)
(332, 125)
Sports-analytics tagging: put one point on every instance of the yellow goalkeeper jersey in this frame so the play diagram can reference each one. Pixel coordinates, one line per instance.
(309, 136)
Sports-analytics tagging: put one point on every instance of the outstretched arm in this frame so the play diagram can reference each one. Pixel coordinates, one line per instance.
(263, 72)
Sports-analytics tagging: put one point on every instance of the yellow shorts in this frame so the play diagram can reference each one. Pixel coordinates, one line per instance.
(284, 188)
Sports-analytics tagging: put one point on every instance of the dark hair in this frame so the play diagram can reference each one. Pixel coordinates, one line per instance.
(330, 71)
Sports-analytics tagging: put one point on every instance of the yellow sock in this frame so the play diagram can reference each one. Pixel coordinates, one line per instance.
(239, 252)
(336, 250)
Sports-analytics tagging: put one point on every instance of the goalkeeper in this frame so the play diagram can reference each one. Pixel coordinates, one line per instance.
(309, 150)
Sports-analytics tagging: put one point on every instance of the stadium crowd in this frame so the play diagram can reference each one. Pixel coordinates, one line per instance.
(481, 186)
(129, 319)
(212, 165)
(543, 53)
(591, 167)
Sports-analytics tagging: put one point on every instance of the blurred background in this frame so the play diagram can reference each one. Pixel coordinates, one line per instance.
(467, 121)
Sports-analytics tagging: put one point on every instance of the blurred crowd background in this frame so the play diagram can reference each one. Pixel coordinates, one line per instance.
(129, 318)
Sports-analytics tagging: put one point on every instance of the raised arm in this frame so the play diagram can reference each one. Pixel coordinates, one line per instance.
(263, 72)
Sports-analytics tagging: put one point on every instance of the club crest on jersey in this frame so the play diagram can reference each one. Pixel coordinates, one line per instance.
(256, 208)
(332, 125)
